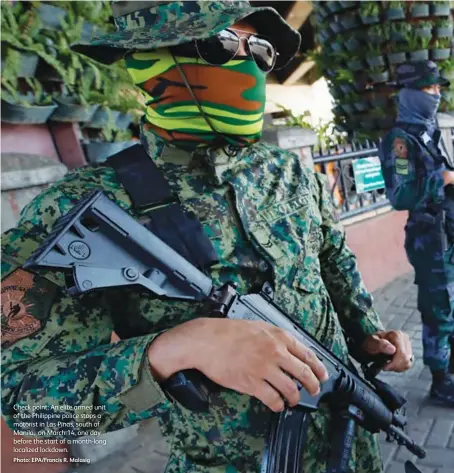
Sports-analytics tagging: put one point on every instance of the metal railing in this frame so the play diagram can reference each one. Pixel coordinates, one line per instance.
(337, 163)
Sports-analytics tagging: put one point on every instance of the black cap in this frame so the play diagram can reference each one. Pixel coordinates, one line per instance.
(417, 75)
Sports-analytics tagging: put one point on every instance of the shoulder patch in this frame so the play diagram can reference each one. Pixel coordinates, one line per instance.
(400, 148)
(402, 166)
(23, 305)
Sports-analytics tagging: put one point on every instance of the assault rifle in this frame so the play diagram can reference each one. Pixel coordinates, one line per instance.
(101, 246)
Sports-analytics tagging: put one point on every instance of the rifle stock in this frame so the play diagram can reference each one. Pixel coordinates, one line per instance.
(103, 246)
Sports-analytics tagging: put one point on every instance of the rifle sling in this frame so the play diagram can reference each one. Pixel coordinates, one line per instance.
(148, 189)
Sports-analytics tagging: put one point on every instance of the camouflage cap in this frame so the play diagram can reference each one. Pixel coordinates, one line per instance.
(143, 25)
(417, 75)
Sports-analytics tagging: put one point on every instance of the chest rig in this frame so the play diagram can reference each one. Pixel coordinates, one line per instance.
(150, 194)
(433, 146)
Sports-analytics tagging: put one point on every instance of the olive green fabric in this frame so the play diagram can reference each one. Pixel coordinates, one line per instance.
(171, 113)
(270, 219)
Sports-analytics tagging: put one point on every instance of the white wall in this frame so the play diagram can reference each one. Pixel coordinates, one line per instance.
(315, 98)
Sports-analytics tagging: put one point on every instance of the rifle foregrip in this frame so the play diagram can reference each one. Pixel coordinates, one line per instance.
(190, 389)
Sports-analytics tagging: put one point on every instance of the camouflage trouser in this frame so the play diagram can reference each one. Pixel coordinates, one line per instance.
(436, 304)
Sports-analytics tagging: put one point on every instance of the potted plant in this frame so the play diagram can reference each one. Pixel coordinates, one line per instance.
(399, 31)
(417, 47)
(440, 8)
(369, 13)
(51, 16)
(73, 104)
(379, 75)
(20, 28)
(441, 49)
(395, 58)
(103, 116)
(419, 10)
(444, 29)
(447, 69)
(33, 107)
(349, 20)
(346, 5)
(107, 142)
(337, 44)
(352, 43)
(447, 101)
(333, 6)
(376, 34)
(395, 11)
(374, 56)
(335, 24)
(424, 29)
(355, 64)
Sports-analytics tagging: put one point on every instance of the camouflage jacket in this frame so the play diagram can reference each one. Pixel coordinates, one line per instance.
(269, 218)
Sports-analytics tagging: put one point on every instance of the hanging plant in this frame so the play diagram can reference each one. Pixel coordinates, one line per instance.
(376, 34)
(369, 13)
(396, 58)
(399, 31)
(447, 69)
(349, 20)
(444, 29)
(424, 29)
(32, 107)
(419, 10)
(441, 49)
(352, 43)
(379, 75)
(417, 47)
(440, 8)
(394, 11)
(371, 53)
(355, 64)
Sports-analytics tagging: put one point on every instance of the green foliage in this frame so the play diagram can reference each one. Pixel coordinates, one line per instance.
(293, 120)
(344, 75)
(369, 8)
(443, 23)
(415, 42)
(87, 81)
(442, 43)
(447, 65)
(395, 5)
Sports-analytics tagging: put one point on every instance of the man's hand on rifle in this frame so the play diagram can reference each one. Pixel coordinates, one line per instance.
(391, 342)
(250, 357)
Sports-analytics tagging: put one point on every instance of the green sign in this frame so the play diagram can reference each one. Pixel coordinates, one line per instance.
(368, 175)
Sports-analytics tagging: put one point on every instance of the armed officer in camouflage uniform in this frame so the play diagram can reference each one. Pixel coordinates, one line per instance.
(202, 66)
(419, 178)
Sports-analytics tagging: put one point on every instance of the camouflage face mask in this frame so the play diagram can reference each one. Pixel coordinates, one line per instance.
(231, 95)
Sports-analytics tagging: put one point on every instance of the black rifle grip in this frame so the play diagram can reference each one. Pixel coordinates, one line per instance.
(190, 389)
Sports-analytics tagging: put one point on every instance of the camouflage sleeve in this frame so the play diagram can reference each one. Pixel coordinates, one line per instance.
(407, 187)
(350, 298)
(57, 355)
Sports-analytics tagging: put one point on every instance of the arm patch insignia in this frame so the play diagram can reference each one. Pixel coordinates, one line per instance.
(23, 305)
(400, 148)
(402, 167)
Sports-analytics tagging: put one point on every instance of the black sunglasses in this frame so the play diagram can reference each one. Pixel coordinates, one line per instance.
(221, 48)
